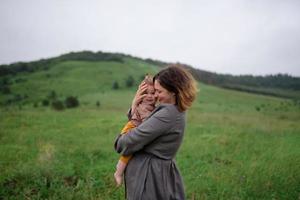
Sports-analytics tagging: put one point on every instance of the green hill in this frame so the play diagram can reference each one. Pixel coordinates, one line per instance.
(71, 77)
(279, 85)
(104, 64)
(237, 145)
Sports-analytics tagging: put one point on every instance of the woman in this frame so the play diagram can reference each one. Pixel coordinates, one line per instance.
(152, 172)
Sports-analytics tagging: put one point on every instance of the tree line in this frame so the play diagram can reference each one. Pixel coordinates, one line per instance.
(45, 64)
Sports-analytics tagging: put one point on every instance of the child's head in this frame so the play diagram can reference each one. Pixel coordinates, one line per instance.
(150, 97)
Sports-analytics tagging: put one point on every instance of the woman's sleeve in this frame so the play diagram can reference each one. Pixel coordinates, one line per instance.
(159, 123)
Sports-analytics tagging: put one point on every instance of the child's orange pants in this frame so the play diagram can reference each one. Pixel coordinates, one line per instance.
(125, 130)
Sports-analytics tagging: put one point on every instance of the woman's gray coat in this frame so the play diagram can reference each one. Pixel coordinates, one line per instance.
(152, 172)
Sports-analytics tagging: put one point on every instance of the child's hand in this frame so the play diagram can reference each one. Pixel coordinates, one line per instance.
(140, 94)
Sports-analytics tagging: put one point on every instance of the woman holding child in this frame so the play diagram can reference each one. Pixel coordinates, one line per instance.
(151, 172)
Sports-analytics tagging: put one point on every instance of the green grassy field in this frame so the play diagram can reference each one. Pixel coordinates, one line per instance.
(236, 146)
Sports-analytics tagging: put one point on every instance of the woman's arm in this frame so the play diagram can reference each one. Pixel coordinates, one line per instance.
(158, 124)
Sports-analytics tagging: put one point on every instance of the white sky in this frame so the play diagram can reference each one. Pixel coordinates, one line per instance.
(227, 36)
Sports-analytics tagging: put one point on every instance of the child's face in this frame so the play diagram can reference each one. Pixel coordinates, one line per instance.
(150, 97)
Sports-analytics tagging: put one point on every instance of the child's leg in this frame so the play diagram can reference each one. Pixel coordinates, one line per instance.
(119, 172)
(120, 168)
(122, 163)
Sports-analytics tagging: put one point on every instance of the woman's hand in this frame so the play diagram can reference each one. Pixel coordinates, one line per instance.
(140, 94)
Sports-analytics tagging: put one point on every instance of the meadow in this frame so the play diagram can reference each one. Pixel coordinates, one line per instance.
(236, 146)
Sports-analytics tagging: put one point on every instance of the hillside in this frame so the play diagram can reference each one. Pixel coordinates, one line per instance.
(102, 68)
(71, 77)
(279, 85)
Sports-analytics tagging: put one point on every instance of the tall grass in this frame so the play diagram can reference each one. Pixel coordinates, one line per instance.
(231, 149)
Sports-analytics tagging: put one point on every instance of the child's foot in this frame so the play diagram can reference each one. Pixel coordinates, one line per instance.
(118, 179)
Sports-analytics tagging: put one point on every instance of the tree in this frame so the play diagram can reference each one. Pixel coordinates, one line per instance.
(129, 81)
(58, 105)
(45, 102)
(115, 85)
(98, 104)
(71, 102)
(52, 95)
(5, 90)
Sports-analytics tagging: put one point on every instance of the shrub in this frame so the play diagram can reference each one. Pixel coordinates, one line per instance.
(129, 81)
(71, 102)
(45, 102)
(52, 95)
(5, 90)
(115, 85)
(8, 102)
(5, 81)
(20, 80)
(57, 105)
(98, 104)
(17, 97)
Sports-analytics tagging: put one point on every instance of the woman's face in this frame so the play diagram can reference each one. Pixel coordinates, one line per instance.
(163, 95)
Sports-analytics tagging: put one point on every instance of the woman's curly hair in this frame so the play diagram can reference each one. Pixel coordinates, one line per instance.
(178, 80)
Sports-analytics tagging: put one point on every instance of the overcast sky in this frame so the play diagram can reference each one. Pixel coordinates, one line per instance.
(227, 36)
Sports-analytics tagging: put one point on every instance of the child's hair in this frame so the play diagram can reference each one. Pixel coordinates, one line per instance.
(148, 79)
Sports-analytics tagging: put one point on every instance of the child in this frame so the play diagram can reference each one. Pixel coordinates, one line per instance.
(142, 111)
